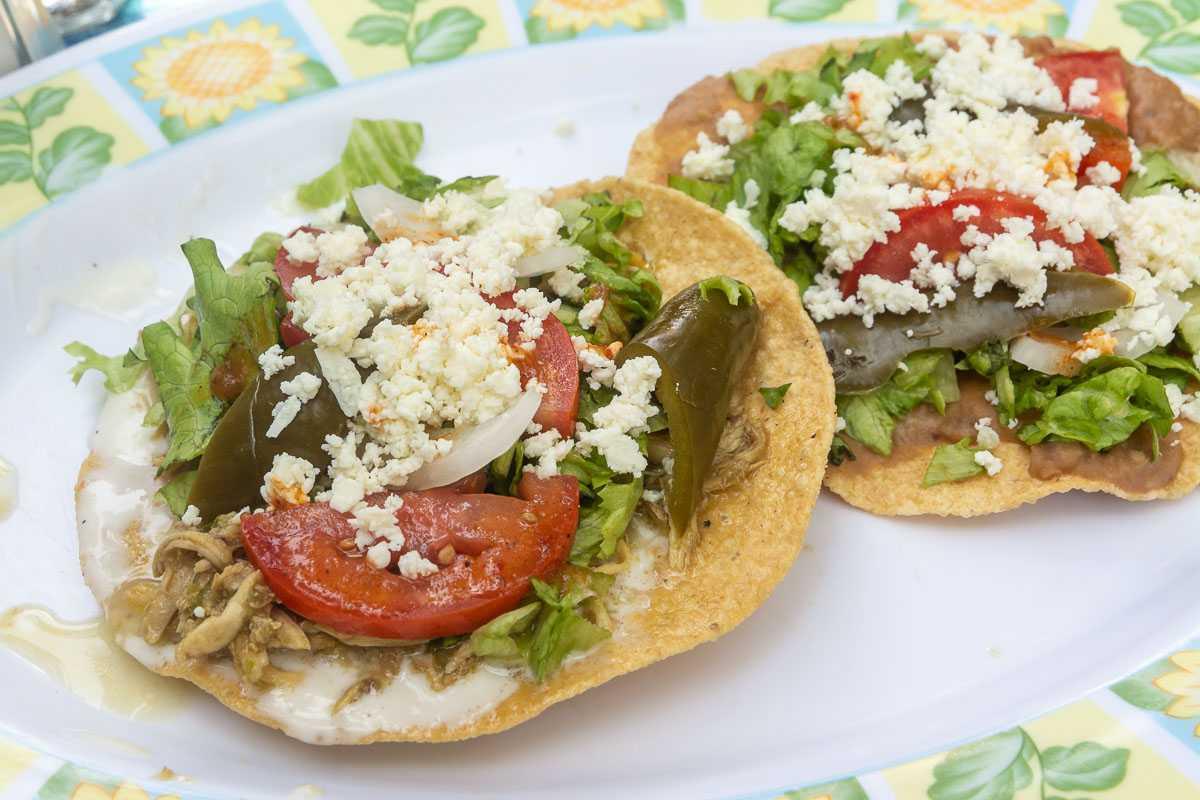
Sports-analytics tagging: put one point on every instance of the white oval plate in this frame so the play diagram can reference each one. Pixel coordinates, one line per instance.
(889, 638)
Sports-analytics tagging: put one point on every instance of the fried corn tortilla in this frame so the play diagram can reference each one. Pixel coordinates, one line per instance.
(753, 519)
(1160, 114)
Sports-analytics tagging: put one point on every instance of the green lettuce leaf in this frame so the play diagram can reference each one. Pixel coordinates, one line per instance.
(175, 491)
(925, 377)
(504, 473)
(560, 629)
(1159, 172)
(1103, 410)
(120, 372)
(1189, 327)
(504, 637)
(601, 525)
(376, 151)
(236, 321)
(773, 395)
(952, 462)
(262, 250)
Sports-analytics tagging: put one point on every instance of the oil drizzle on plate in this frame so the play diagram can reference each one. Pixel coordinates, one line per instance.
(83, 657)
(8, 489)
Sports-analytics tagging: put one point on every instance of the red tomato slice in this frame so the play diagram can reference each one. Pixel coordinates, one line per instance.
(291, 333)
(1111, 145)
(289, 270)
(500, 543)
(1107, 67)
(554, 363)
(937, 228)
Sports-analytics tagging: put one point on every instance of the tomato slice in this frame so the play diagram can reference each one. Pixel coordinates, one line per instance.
(937, 228)
(499, 543)
(554, 363)
(1111, 145)
(289, 270)
(1107, 67)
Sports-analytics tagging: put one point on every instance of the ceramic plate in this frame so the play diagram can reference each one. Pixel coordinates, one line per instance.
(889, 638)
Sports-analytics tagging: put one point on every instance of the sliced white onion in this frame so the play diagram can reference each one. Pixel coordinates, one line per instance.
(551, 259)
(1046, 354)
(474, 448)
(342, 377)
(392, 215)
(1134, 344)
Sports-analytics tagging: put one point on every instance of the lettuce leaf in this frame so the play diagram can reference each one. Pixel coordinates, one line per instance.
(1159, 172)
(120, 372)
(952, 462)
(1103, 410)
(543, 631)
(631, 295)
(175, 491)
(262, 250)
(560, 629)
(601, 525)
(1188, 329)
(773, 395)
(236, 319)
(926, 377)
(376, 151)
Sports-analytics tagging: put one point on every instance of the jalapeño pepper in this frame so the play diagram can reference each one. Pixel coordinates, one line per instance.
(702, 339)
(240, 454)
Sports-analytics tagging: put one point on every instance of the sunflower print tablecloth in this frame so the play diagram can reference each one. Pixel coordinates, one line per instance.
(1136, 740)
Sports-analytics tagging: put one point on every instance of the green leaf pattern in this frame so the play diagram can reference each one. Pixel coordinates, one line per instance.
(446, 34)
(1000, 766)
(1169, 46)
(76, 155)
(804, 10)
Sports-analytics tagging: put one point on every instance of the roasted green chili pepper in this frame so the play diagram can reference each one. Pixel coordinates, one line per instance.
(863, 358)
(239, 453)
(702, 339)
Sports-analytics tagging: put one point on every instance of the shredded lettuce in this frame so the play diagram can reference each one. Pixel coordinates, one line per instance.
(1188, 330)
(602, 524)
(236, 318)
(175, 491)
(952, 462)
(376, 151)
(631, 295)
(120, 372)
(542, 632)
(1104, 409)
(773, 395)
(925, 377)
(560, 629)
(1158, 172)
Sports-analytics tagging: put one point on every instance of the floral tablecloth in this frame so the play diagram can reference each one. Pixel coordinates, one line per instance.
(61, 129)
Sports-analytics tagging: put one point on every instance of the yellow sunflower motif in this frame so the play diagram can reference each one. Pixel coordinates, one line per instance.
(205, 76)
(579, 15)
(1184, 683)
(1010, 16)
(126, 791)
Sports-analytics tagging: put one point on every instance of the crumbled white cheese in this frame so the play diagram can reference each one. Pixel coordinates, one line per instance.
(987, 460)
(566, 283)
(626, 414)
(812, 112)
(983, 74)
(1103, 174)
(986, 436)
(191, 517)
(1014, 258)
(590, 313)
(1190, 409)
(932, 45)
(929, 273)
(1083, 94)
(272, 360)
(413, 565)
(840, 424)
(741, 217)
(301, 246)
(289, 482)
(879, 295)
(339, 249)
(536, 307)
(299, 390)
(594, 362)
(547, 448)
(962, 213)
(709, 161)
(752, 191)
(732, 127)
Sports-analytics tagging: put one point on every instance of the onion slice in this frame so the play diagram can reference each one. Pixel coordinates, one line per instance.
(1047, 354)
(392, 215)
(551, 259)
(474, 448)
